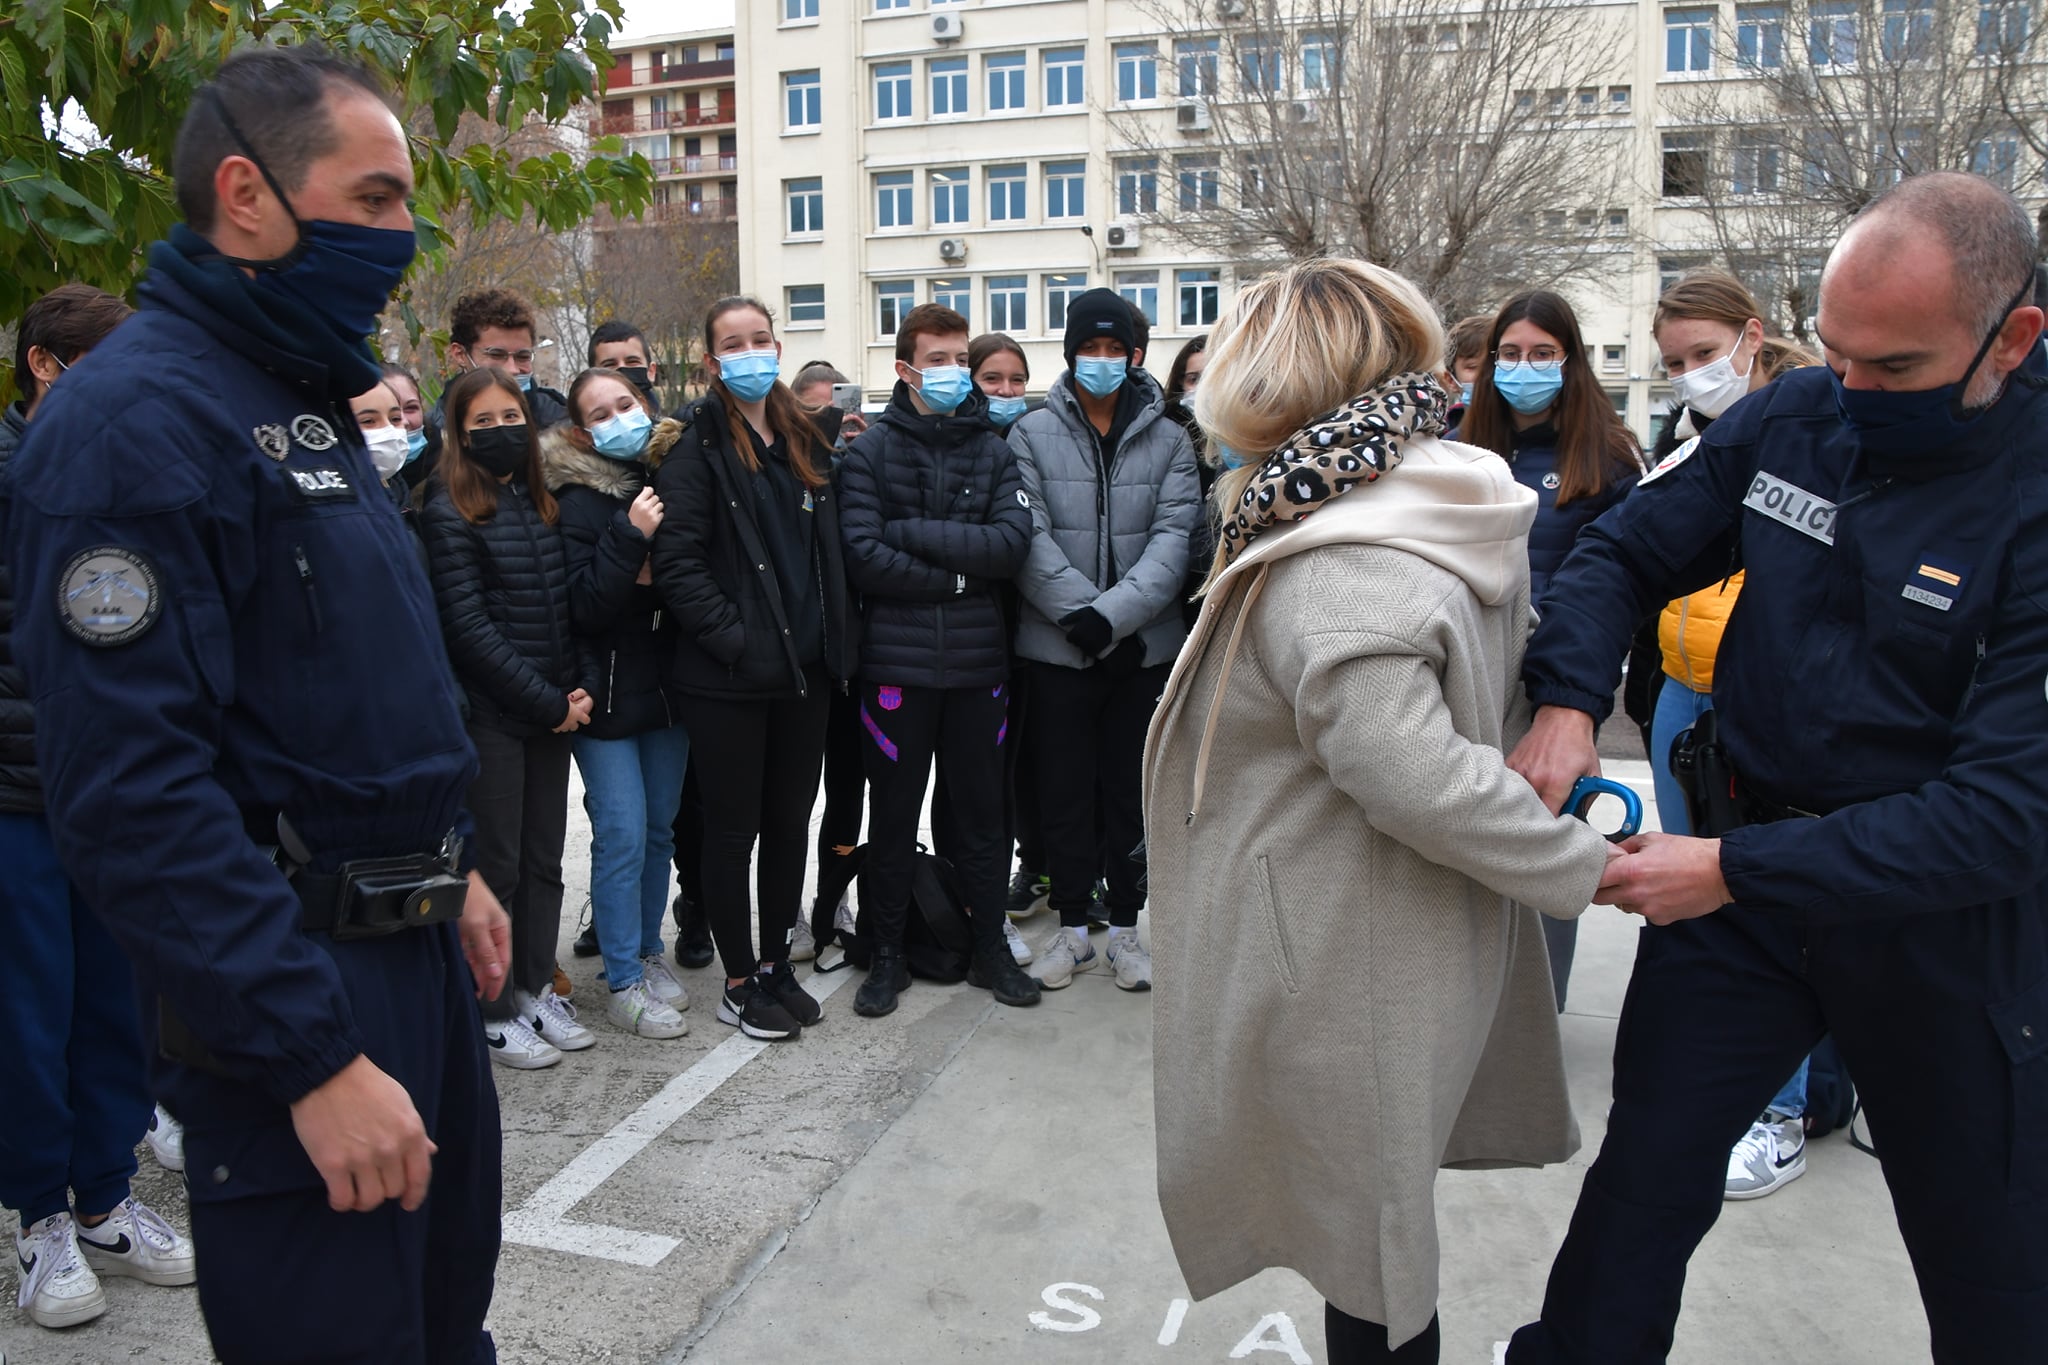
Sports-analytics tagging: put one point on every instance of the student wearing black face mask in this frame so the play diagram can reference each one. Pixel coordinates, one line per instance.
(621, 346)
(501, 580)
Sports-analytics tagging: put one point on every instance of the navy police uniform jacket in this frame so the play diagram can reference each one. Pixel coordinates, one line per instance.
(216, 606)
(1884, 669)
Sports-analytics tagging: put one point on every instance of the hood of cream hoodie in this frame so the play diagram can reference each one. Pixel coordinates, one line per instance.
(1455, 505)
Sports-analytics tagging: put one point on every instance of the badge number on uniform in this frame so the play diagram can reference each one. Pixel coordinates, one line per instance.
(1804, 512)
(107, 596)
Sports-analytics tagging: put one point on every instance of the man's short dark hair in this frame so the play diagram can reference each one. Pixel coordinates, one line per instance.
(67, 322)
(610, 334)
(928, 319)
(1989, 236)
(277, 97)
(481, 308)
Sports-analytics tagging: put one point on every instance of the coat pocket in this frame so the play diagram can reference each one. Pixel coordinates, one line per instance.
(1276, 928)
(2021, 1024)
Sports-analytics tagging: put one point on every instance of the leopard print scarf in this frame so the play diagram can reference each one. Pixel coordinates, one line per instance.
(1335, 453)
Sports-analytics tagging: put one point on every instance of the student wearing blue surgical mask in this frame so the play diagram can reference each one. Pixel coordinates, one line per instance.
(495, 328)
(1114, 497)
(634, 751)
(1002, 374)
(422, 433)
(934, 521)
(748, 561)
(1537, 404)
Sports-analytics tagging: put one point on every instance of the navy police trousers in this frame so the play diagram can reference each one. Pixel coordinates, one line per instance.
(1942, 1019)
(284, 1278)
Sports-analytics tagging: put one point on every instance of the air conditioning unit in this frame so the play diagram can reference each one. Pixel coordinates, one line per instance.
(1123, 237)
(1192, 117)
(947, 28)
(1232, 9)
(1303, 111)
(952, 248)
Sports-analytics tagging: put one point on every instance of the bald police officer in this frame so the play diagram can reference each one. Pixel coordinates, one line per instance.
(216, 605)
(1880, 697)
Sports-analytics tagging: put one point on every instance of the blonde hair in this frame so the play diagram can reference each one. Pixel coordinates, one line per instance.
(1717, 296)
(1299, 343)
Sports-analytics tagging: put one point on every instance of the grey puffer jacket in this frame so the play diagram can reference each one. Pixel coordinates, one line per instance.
(1114, 539)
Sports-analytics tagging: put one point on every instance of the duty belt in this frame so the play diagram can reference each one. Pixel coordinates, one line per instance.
(371, 897)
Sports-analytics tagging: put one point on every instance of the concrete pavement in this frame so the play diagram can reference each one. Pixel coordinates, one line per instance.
(966, 1182)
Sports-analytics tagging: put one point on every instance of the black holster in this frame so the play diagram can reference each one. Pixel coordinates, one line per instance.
(1712, 791)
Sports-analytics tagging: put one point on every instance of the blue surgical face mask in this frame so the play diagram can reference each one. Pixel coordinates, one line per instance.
(526, 382)
(750, 374)
(1465, 394)
(342, 272)
(415, 444)
(623, 437)
(944, 387)
(1528, 386)
(1890, 423)
(1230, 458)
(1004, 411)
(1101, 375)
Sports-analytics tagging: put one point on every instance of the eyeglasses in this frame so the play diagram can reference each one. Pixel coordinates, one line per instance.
(1541, 355)
(498, 355)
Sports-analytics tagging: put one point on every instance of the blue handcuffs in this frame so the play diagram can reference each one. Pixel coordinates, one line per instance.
(1587, 789)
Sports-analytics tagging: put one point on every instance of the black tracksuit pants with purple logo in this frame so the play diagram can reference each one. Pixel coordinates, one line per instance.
(904, 728)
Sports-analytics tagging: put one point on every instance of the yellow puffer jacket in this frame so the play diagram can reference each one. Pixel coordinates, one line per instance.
(1689, 632)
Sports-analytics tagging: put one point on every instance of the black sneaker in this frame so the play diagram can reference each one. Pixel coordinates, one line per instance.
(790, 994)
(751, 1009)
(1028, 891)
(586, 942)
(888, 978)
(693, 936)
(994, 970)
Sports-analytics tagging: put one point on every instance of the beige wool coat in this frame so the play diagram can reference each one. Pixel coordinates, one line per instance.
(1347, 994)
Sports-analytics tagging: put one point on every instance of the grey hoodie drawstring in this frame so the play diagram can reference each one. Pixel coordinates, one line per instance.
(1222, 685)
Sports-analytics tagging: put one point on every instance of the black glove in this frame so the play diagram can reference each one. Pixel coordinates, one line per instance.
(1126, 659)
(1088, 630)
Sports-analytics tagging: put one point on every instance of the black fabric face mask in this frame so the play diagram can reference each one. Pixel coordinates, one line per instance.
(500, 450)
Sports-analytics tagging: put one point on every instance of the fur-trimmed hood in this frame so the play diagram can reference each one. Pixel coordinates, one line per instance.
(564, 462)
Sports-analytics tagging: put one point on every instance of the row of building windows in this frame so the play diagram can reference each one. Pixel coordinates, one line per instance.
(1904, 30)
(1263, 67)
(1195, 300)
(1758, 161)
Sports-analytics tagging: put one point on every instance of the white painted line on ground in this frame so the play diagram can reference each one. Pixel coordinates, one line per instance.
(543, 1220)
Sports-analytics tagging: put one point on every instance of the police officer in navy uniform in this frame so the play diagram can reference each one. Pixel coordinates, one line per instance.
(1880, 698)
(216, 604)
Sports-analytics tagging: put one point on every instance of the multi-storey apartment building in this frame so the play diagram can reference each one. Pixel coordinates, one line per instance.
(672, 98)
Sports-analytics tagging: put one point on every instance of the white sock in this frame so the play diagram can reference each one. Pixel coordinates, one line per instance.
(1117, 932)
(1080, 933)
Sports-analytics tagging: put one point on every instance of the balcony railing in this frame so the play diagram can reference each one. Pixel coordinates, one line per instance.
(690, 71)
(693, 165)
(703, 211)
(625, 125)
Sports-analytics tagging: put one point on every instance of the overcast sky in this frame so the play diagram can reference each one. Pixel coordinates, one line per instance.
(645, 17)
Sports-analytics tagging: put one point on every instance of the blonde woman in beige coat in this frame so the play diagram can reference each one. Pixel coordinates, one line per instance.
(1351, 991)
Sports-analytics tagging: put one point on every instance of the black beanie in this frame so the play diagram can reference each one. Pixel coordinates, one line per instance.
(1100, 313)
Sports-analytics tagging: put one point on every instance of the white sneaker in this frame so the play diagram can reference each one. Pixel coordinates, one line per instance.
(136, 1242)
(1132, 963)
(842, 917)
(638, 1011)
(1770, 1155)
(58, 1289)
(1019, 949)
(513, 1043)
(663, 983)
(166, 1138)
(554, 1019)
(803, 946)
(1063, 957)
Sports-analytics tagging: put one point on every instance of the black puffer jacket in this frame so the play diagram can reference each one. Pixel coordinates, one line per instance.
(21, 790)
(712, 567)
(627, 637)
(502, 587)
(934, 519)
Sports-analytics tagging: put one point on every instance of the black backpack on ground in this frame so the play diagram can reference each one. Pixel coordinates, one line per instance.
(938, 936)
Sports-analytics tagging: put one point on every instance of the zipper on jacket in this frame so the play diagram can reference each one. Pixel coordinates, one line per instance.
(1970, 689)
(611, 682)
(305, 567)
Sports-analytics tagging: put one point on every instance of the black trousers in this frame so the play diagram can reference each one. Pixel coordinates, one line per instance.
(689, 832)
(1026, 827)
(520, 802)
(1354, 1341)
(966, 730)
(1942, 1018)
(1088, 740)
(846, 784)
(757, 768)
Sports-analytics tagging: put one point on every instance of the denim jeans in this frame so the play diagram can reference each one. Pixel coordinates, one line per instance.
(1678, 706)
(631, 788)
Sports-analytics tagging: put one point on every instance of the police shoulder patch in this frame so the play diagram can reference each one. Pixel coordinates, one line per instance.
(108, 595)
(1672, 461)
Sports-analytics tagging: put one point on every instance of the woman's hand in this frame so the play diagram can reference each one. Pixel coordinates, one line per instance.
(579, 713)
(645, 513)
